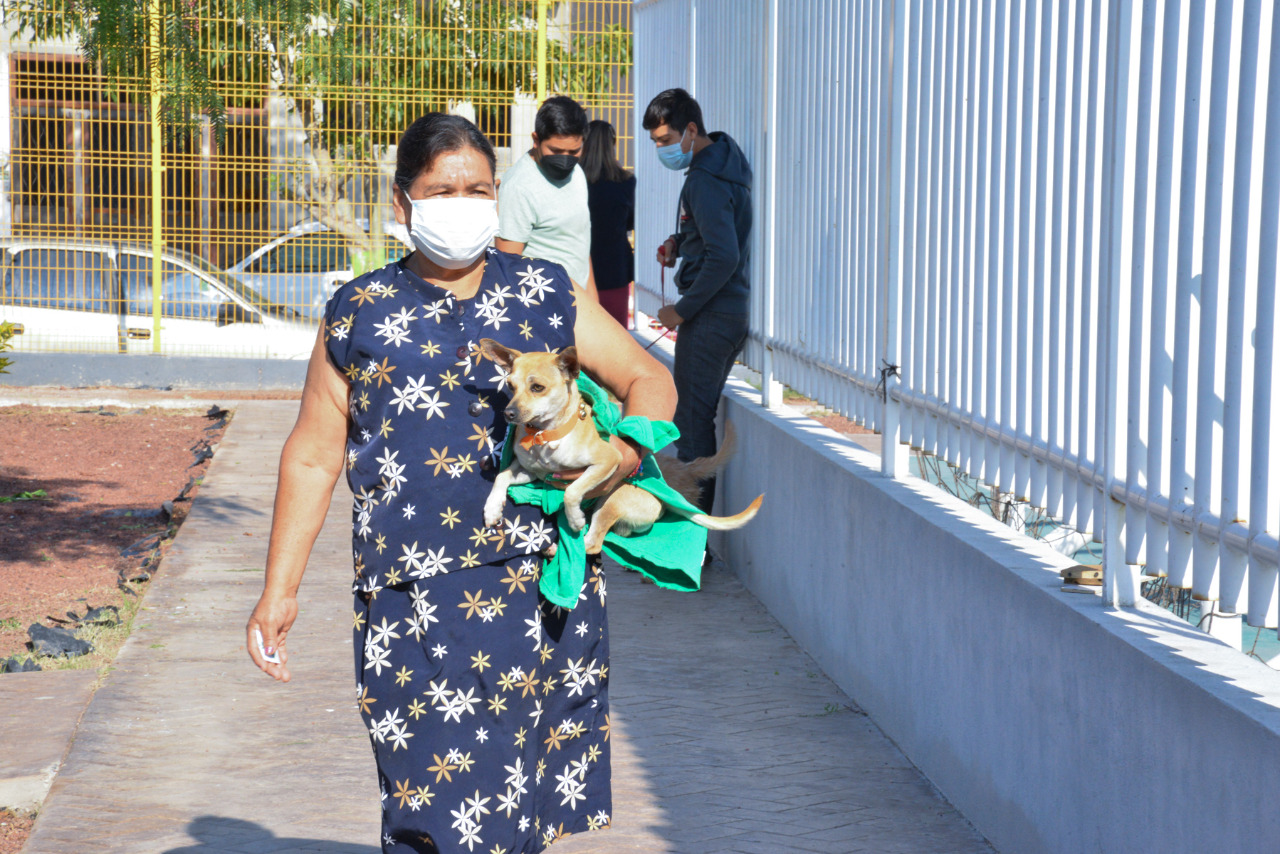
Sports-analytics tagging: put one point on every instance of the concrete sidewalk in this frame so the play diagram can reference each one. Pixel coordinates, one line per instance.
(727, 738)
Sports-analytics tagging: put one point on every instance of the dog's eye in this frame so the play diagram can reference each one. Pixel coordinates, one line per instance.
(537, 388)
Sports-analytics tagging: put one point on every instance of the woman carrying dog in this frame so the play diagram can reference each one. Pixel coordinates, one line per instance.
(487, 707)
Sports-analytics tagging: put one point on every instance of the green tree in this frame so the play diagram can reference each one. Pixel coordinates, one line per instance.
(350, 74)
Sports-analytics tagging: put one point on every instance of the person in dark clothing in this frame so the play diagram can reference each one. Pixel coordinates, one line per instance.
(611, 198)
(713, 246)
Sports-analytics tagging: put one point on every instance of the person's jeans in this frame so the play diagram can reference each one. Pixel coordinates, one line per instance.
(706, 346)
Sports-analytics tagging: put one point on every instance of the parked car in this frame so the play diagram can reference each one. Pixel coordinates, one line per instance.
(96, 296)
(304, 266)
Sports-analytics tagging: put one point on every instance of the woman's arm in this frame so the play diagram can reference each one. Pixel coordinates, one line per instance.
(309, 467)
(640, 382)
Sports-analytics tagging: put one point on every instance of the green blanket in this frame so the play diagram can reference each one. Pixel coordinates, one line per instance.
(670, 553)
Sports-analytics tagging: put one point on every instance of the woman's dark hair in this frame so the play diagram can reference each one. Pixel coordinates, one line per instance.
(674, 108)
(432, 135)
(560, 116)
(599, 156)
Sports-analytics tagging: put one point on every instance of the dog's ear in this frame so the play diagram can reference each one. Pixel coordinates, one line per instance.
(495, 352)
(567, 359)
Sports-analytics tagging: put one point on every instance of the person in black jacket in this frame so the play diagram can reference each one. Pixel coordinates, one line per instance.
(713, 246)
(611, 198)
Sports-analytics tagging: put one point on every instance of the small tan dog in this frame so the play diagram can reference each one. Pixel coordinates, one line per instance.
(555, 432)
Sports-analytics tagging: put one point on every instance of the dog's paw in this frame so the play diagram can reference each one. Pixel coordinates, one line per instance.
(550, 551)
(577, 519)
(493, 516)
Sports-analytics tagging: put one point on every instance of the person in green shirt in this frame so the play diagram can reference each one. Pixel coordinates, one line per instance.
(542, 199)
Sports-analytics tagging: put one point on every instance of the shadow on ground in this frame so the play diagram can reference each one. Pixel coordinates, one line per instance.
(213, 833)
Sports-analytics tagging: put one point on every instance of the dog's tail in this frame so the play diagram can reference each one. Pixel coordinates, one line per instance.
(685, 478)
(707, 467)
(728, 523)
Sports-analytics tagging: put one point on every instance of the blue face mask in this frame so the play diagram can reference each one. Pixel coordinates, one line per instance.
(673, 158)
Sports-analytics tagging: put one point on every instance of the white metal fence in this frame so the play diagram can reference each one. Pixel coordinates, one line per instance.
(1059, 221)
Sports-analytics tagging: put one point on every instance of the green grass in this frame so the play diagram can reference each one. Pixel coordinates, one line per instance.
(106, 639)
(29, 495)
(9, 624)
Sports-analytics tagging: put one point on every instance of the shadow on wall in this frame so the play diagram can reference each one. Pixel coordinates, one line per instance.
(220, 834)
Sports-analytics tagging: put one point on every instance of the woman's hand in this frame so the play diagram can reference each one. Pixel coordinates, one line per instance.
(273, 616)
(630, 459)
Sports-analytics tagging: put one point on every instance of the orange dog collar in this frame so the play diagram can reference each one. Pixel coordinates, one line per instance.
(534, 437)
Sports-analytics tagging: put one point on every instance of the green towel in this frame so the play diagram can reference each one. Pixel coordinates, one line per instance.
(670, 553)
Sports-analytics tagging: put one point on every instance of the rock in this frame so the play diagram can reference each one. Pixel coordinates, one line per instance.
(13, 664)
(142, 514)
(143, 545)
(57, 642)
(166, 510)
(216, 412)
(107, 615)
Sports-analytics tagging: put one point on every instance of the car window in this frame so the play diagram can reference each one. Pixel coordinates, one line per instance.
(60, 278)
(183, 293)
(321, 252)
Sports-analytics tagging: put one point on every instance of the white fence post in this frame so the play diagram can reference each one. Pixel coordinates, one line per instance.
(890, 304)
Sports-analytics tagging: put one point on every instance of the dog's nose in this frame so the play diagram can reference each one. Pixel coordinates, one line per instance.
(510, 414)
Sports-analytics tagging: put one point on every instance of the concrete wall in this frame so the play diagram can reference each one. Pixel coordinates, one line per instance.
(1053, 723)
(91, 370)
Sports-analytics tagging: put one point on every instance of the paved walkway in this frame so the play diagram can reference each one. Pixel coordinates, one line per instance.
(728, 738)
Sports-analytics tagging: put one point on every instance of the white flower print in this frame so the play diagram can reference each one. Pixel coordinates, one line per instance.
(555, 320)
(412, 558)
(499, 318)
(500, 375)
(377, 658)
(380, 635)
(404, 398)
(535, 629)
(417, 387)
(439, 650)
(509, 803)
(516, 778)
(432, 404)
(460, 703)
(476, 805)
(501, 293)
(438, 693)
(408, 511)
(404, 316)
(488, 306)
(434, 564)
(398, 736)
(581, 630)
(394, 333)
(435, 310)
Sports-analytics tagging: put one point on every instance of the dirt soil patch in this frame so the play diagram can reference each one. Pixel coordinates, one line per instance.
(81, 495)
(14, 830)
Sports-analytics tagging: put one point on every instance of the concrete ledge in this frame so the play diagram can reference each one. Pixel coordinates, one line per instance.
(88, 370)
(1052, 722)
(42, 710)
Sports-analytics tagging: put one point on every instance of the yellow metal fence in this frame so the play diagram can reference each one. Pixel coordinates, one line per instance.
(201, 184)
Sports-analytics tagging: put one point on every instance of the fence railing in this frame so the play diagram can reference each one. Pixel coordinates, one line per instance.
(250, 174)
(1049, 229)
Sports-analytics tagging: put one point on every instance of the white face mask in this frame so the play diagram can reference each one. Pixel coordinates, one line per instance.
(453, 232)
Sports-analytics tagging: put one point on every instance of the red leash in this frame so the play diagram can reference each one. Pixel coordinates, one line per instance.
(654, 323)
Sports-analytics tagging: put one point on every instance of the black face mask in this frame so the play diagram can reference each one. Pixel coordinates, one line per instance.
(557, 167)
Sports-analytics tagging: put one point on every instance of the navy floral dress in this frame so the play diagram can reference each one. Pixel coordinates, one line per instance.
(487, 706)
